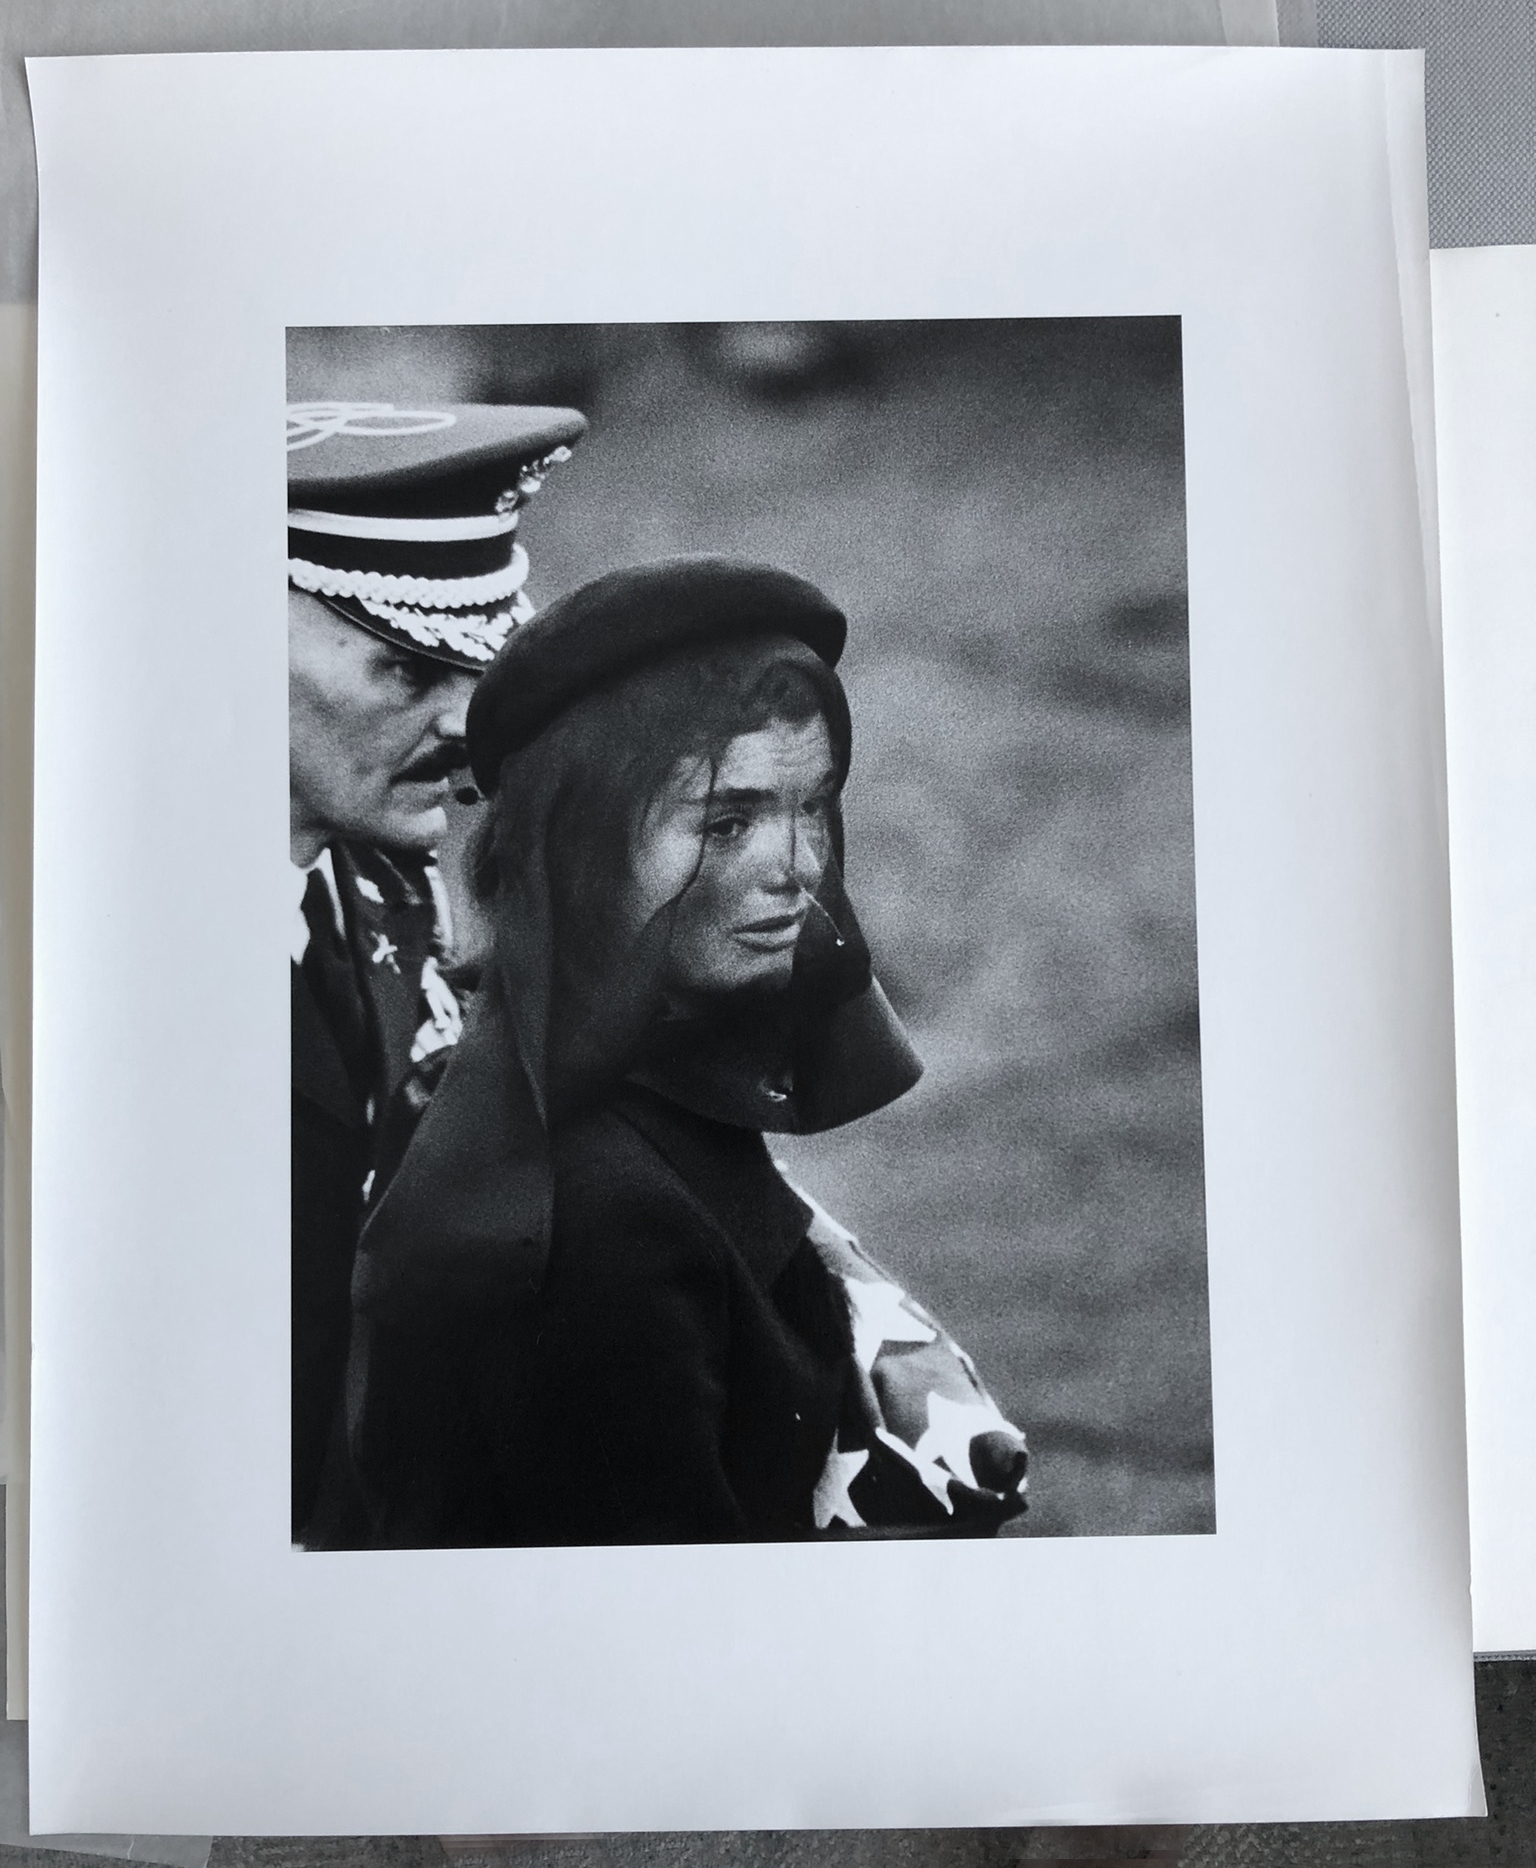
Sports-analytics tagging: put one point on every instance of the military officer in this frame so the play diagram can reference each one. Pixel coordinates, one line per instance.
(405, 576)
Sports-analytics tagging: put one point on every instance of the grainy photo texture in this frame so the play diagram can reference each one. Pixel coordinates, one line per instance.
(746, 1074)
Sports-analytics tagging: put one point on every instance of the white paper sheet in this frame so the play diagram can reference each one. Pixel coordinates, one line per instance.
(34, 28)
(172, 1851)
(1485, 366)
(56, 27)
(190, 1671)
(18, 379)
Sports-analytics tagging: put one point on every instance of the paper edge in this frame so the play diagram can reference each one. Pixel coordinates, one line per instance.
(18, 483)
(1410, 308)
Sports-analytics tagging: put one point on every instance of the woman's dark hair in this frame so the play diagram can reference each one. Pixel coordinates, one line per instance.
(556, 849)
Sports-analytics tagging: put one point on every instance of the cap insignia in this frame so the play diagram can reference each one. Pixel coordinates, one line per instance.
(309, 423)
(530, 479)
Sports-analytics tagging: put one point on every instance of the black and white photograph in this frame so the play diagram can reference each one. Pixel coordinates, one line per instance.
(850, 1220)
(746, 1071)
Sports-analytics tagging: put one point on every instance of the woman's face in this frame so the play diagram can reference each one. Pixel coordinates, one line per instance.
(739, 859)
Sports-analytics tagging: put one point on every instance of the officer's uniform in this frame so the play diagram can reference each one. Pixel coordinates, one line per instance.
(404, 522)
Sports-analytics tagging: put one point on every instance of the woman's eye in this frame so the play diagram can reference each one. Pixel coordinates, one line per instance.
(726, 829)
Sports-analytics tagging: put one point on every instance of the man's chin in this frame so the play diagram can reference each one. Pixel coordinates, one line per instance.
(407, 830)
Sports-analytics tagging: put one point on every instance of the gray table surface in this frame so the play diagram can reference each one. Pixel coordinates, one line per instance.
(1481, 69)
(1480, 74)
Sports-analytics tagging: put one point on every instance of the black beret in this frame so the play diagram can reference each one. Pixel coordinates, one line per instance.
(625, 620)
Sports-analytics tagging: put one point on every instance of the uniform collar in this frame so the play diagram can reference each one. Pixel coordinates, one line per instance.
(299, 876)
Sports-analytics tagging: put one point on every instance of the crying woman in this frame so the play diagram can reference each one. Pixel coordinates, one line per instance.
(589, 1307)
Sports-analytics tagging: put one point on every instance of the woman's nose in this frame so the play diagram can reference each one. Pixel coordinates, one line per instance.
(797, 856)
(810, 858)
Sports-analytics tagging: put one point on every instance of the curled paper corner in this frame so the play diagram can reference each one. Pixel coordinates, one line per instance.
(172, 1851)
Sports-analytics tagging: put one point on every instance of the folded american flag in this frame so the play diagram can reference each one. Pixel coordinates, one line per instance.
(922, 1447)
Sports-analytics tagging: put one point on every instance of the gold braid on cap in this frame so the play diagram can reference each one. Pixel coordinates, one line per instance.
(425, 593)
(478, 637)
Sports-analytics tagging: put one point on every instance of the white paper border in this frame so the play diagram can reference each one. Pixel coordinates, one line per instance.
(190, 1672)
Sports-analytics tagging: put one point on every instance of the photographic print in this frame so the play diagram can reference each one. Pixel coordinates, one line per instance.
(746, 1075)
(778, 1161)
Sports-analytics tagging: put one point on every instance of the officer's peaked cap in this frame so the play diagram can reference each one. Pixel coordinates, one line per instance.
(405, 519)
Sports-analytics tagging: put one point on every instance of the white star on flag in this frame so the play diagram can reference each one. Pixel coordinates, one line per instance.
(952, 1425)
(831, 1500)
(385, 951)
(879, 1316)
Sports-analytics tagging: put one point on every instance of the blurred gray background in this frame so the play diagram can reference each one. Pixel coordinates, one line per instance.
(999, 507)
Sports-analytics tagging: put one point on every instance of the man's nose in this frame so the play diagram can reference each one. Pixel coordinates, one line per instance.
(453, 705)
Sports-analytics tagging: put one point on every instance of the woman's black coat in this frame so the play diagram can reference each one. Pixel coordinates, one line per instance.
(677, 1378)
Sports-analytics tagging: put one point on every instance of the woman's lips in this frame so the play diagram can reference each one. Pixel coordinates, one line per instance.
(772, 935)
